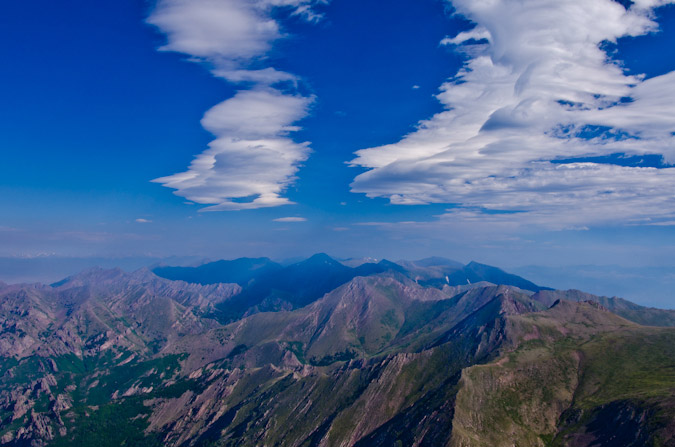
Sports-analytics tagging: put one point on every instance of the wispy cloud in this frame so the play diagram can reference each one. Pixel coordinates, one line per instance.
(141, 220)
(290, 219)
(667, 223)
(253, 158)
(538, 89)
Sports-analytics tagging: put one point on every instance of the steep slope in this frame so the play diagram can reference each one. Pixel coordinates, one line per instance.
(475, 272)
(576, 375)
(101, 304)
(430, 268)
(295, 286)
(267, 286)
(440, 272)
(647, 316)
(365, 317)
(283, 378)
(360, 318)
(323, 400)
(25, 314)
(94, 335)
(112, 307)
(238, 271)
(107, 358)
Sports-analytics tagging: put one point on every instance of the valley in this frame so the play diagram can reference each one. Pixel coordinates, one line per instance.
(320, 353)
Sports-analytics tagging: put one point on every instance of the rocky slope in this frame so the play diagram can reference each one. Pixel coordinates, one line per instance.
(575, 375)
(267, 286)
(108, 358)
(647, 316)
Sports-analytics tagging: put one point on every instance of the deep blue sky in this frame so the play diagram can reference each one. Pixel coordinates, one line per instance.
(91, 108)
(92, 112)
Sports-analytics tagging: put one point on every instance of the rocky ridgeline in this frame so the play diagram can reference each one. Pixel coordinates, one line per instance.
(397, 355)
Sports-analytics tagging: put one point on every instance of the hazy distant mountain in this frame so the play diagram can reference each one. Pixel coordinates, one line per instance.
(355, 262)
(654, 285)
(239, 271)
(48, 268)
(268, 286)
(475, 272)
(437, 271)
(430, 268)
(434, 261)
(107, 358)
(647, 316)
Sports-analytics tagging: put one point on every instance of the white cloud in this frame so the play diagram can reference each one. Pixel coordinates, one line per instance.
(267, 76)
(215, 30)
(228, 34)
(290, 219)
(253, 158)
(477, 34)
(538, 88)
(669, 223)
(141, 220)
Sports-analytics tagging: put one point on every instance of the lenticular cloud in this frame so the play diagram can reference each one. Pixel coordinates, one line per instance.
(537, 91)
(253, 158)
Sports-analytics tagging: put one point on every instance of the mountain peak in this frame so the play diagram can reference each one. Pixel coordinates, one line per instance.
(240, 271)
(143, 274)
(390, 265)
(308, 332)
(91, 275)
(475, 271)
(319, 258)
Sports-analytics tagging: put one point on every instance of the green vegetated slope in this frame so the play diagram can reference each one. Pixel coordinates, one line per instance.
(579, 376)
(110, 359)
(341, 403)
(305, 377)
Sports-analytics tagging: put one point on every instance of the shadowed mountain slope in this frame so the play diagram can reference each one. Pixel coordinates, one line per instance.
(271, 287)
(475, 272)
(107, 358)
(239, 271)
(267, 286)
(439, 272)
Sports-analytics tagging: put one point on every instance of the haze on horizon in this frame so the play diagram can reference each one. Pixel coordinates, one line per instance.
(537, 136)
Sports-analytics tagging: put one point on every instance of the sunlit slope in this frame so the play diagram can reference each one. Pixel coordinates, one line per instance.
(579, 376)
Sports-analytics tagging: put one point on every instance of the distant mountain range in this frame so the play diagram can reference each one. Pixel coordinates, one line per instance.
(318, 353)
(268, 286)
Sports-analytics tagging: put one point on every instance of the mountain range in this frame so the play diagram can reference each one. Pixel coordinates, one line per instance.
(250, 352)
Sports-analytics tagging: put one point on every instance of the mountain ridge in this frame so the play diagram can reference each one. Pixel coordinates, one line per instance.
(381, 359)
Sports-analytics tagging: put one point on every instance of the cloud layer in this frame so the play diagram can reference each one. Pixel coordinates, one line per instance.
(290, 219)
(253, 158)
(538, 89)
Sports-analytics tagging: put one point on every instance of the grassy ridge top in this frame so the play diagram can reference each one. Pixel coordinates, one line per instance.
(569, 365)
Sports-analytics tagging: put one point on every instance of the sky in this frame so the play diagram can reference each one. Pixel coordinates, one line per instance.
(531, 133)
